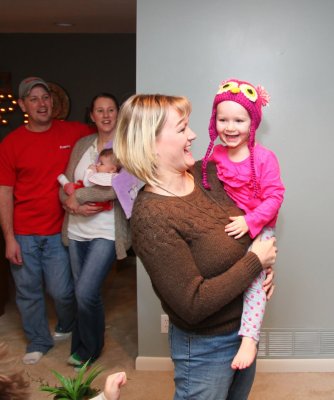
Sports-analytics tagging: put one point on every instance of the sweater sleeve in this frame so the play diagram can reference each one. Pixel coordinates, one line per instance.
(166, 255)
(95, 193)
(272, 194)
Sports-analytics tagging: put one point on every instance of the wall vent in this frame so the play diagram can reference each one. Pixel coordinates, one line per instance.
(298, 343)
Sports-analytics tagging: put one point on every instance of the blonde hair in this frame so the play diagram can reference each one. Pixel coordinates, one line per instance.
(140, 120)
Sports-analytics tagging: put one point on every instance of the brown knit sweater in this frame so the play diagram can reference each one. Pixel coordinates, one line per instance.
(198, 272)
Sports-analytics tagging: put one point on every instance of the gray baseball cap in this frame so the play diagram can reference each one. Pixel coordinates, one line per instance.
(28, 83)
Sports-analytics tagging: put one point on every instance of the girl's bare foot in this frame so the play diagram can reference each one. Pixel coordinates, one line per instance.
(246, 354)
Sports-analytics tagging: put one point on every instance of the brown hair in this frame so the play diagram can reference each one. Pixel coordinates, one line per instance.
(110, 153)
(13, 386)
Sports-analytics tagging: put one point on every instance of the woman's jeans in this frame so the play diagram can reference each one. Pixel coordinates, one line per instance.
(91, 261)
(203, 367)
(45, 259)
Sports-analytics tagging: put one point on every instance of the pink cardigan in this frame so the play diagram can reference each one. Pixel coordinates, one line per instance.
(236, 176)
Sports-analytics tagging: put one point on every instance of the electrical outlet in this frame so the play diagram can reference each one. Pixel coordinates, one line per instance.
(164, 323)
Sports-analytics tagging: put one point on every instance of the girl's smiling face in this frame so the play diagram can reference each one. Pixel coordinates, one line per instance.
(233, 124)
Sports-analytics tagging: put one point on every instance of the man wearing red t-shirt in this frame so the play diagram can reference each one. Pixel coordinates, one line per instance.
(31, 158)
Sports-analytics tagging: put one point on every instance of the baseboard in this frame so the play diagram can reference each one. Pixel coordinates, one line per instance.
(279, 365)
(154, 364)
(296, 365)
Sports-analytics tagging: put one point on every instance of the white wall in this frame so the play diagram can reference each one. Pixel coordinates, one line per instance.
(187, 47)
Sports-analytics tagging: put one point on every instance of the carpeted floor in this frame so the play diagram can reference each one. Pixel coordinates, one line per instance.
(121, 350)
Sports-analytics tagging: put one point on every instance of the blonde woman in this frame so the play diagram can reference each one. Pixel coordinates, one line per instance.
(198, 272)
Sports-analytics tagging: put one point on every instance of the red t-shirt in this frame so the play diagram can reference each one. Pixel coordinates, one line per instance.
(30, 162)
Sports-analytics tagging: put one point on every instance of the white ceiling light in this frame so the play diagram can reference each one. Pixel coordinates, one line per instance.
(64, 24)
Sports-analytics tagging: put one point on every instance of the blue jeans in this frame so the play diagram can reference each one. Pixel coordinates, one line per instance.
(44, 259)
(203, 367)
(91, 261)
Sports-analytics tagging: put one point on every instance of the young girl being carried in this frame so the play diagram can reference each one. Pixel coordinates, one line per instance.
(251, 177)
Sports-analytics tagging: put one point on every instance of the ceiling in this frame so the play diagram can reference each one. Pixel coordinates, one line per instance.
(87, 16)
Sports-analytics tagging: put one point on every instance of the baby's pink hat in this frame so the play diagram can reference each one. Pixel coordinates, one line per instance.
(253, 99)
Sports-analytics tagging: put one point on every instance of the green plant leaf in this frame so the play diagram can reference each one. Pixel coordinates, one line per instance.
(81, 373)
(48, 389)
(93, 374)
(66, 382)
(74, 388)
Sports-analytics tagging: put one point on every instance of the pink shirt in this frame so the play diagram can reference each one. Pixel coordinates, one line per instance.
(236, 176)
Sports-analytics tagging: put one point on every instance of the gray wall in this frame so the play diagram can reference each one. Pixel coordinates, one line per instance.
(84, 64)
(187, 47)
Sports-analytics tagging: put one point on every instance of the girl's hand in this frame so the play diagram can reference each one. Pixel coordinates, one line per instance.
(266, 250)
(237, 228)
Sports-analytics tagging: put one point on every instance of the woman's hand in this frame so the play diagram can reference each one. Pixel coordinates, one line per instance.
(268, 284)
(89, 209)
(266, 250)
(72, 206)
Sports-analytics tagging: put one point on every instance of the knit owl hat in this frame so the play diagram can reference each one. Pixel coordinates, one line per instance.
(252, 99)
